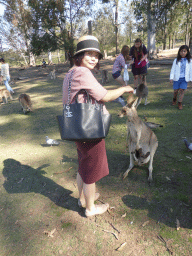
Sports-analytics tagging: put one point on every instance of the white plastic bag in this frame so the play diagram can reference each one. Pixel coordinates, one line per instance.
(126, 74)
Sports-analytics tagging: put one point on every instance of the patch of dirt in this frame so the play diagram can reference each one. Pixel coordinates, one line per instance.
(168, 54)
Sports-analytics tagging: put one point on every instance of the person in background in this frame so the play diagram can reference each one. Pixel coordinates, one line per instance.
(181, 74)
(44, 64)
(119, 64)
(92, 158)
(5, 75)
(138, 52)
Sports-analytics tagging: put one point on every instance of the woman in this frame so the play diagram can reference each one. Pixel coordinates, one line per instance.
(5, 75)
(92, 156)
(138, 52)
(122, 59)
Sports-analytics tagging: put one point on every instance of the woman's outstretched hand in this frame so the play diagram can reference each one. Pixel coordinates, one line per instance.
(129, 89)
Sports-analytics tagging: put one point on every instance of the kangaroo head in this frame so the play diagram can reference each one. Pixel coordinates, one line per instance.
(129, 109)
(141, 87)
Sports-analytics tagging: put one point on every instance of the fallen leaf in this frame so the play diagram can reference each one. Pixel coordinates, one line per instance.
(50, 234)
(145, 223)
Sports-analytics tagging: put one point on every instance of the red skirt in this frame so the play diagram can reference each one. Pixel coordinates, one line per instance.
(92, 158)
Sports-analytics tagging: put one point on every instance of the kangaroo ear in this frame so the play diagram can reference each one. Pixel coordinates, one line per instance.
(130, 100)
(134, 104)
(147, 154)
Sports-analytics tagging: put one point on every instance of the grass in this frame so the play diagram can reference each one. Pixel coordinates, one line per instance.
(39, 191)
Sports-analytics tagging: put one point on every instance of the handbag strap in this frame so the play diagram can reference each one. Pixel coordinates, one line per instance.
(69, 93)
(69, 88)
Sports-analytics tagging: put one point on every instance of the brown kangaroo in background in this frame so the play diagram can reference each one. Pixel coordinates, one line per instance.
(25, 102)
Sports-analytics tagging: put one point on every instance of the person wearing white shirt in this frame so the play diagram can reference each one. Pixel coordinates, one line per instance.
(181, 74)
(5, 75)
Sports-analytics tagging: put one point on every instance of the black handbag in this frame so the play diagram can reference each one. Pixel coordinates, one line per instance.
(83, 121)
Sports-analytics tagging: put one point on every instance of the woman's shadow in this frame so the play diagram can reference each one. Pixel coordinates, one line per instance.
(21, 178)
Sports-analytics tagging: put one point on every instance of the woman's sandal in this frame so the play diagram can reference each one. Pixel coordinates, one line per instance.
(82, 202)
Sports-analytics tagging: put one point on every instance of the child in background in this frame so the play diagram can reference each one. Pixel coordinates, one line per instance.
(122, 59)
(181, 74)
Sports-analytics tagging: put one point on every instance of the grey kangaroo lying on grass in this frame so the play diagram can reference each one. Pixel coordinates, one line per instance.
(142, 141)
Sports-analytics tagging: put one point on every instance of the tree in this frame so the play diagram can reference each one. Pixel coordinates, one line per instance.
(116, 23)
(58, 21)
(18, 15)
(103, 28)
(190, 40)
(158, 16)
(130, 26)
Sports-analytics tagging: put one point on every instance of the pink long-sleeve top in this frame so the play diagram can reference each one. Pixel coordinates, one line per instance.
(83, 78)
(119, 63)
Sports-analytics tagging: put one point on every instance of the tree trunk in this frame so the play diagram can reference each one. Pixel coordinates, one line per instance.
(70, 49)
(151, 33)
(30, 54)
(165, 32)
(49, 58)
(31, 59)
(105, 54)
(187, 34)
(190, 32)
(190, 41)
(58, 56)
(22, 54)
(116, 25)
(89, 28)
(173, 41)
(169, 42)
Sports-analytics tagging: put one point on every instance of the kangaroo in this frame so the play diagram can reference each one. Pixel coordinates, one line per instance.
(142, 141)
(25, 102)
(141, 92)
(52, 74)
(4, 95)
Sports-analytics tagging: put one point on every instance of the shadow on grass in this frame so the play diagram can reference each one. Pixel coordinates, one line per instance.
(166, 211)
(21, 178)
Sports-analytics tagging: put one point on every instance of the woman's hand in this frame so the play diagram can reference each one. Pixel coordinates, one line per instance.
(129, 88)
(144, 58)
(130, 62)
(114, 94)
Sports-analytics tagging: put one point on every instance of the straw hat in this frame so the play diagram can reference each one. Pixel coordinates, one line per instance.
(88, 43)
